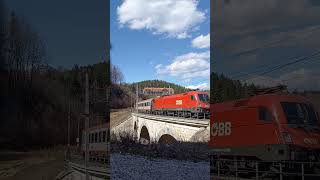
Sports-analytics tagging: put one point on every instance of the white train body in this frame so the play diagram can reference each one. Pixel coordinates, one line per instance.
(99, 141)
(144, 106)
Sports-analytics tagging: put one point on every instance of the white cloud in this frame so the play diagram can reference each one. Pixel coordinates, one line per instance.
(201, 86)
(201, 41)
(187, 66)
(302, 79)
(171, 17)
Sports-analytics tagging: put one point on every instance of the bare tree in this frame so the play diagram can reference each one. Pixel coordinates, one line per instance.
(116, 75)
(2, 35)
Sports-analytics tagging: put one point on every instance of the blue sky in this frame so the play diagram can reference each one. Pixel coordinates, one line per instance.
(167, 40)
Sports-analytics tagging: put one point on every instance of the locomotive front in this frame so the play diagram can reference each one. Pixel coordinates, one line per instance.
(272, 131)
(203, 103)
(301, 131)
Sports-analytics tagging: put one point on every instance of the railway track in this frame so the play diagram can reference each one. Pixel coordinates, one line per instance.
(177, 120)
(95, 170)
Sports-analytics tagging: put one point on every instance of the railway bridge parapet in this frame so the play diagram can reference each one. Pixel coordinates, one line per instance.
(167, 129)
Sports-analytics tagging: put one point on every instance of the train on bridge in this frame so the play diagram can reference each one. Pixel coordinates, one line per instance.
(190, 104)
(268, 127)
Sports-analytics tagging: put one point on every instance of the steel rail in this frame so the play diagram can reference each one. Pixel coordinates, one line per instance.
(183, 121)
(95, 171)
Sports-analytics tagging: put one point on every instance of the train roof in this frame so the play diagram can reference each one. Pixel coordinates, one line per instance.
(182, 94)
(146, 100)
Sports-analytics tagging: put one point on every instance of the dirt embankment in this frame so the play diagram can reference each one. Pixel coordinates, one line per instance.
(118, 116)
(42, 164)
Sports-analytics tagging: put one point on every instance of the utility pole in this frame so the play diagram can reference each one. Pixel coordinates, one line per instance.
(137, 95)
(86, 111)
(131, 102)
(69, 124)
(78, 118)
(107, 104)
(68, 148)
(78, 138)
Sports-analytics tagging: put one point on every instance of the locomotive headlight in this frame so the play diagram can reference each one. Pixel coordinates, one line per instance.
(287, 138)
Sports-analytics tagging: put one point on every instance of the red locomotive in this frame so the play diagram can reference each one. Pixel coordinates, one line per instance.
(189, 104)
(269, 127)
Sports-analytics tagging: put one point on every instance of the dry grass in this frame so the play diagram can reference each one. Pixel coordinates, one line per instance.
(118, 116)
(180, 151)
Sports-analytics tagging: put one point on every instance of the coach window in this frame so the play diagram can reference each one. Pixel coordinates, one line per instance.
(95, 137)
(92, 138)
(100, 136)
(108, 135)
(265, 114)
(104, 136)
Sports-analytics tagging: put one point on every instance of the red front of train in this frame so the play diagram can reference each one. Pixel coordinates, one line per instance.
(193, 102)
(266, 127)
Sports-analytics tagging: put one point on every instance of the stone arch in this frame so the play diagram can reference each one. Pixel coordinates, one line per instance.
(167, 139)
(144, 135)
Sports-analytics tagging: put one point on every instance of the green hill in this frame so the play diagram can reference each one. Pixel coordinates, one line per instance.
(124, 95)
(160, 84)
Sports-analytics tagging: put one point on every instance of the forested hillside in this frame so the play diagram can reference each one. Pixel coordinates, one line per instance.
(36, 98)
(225, 89)
(124, 94)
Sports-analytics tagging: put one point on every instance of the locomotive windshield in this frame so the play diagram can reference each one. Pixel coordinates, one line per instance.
(299, 113)
(203, 97)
